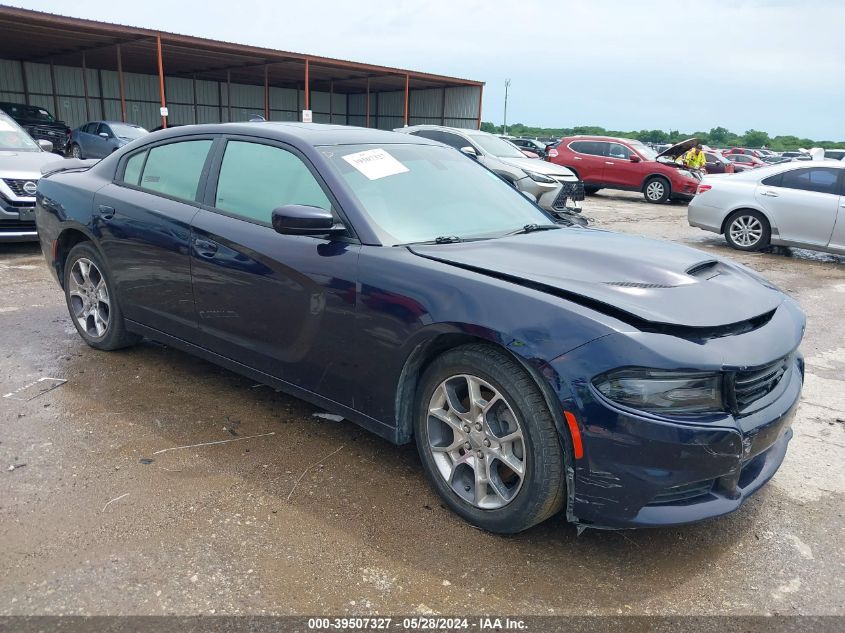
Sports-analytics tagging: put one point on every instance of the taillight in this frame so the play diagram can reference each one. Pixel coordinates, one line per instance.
(553, 153)
(703, 188)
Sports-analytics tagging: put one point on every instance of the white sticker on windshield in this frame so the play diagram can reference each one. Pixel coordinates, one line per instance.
(375, 163)
(44, 112)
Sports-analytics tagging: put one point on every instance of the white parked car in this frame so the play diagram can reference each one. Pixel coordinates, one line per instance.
(790, 204)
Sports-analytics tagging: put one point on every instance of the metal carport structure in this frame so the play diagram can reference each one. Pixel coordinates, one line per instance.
(87, 70)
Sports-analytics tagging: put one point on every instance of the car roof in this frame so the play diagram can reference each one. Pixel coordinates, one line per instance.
(590, 137)
(458, 130)
(315, 134)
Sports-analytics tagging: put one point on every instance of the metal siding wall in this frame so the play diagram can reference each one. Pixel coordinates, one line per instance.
(141, 87)
(421, 120)
(339, 109)
(111, 87)
(208, 93)
(462, 102)
(426, 103)
(320, 102)
(142, 113)
(179, 90)
(12, 97)
(112, 112)
(470, 124)
(246, 96)
(93, 83)
(38, 78)
(390, 103)
(180, 114)
(69, 81)
(11, 78)
(283, 115)
(358, 104)
(283, 99)
(208, 114)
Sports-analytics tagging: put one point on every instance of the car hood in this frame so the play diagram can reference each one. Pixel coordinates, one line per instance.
(621, 275)
(24, 164)
(537, 166)
(678, 149)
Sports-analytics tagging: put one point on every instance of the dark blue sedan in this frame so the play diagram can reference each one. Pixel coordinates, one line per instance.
(396, 282)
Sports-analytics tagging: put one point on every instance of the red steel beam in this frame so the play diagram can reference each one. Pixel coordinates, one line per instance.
(121, 87)
(480, 96)
(407, 86)
(267, 92)
(307, 89)
(161, 79)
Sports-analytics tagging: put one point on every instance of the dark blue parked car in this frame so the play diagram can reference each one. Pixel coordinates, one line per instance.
(396, 282)
(98, 139)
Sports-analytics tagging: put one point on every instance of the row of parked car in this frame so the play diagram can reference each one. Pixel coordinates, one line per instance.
(94, 139)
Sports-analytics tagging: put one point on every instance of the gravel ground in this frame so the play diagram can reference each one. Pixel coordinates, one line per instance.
(316, 516)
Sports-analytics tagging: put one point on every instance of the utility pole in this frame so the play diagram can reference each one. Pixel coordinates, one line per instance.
(505, 119)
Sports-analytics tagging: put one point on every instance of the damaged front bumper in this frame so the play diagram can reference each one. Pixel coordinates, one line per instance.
(639, 470)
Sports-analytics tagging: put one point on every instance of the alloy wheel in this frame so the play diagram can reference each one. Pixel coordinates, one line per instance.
(655, 190)
(74, 151)
(89, 297)
(746, 230)
(476, 441)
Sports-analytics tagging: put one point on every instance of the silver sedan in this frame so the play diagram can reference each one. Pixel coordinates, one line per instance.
(791, 204)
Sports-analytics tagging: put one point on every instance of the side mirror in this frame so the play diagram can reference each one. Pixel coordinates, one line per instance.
(46, 146)
(634, 158)
(301, 219)
(470, 151)
(103, 134)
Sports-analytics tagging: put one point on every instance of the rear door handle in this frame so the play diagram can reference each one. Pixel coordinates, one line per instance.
(770, 194)
(577, 158)
(607, 162)
(205, 248)
(106, 212)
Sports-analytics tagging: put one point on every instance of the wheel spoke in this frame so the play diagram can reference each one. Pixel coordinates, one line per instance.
(512, 463)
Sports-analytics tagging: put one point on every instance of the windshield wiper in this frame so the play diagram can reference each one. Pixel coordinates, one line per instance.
(442, 239)
(531, 228)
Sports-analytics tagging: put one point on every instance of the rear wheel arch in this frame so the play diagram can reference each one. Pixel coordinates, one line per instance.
(732, 212)
(64, 244)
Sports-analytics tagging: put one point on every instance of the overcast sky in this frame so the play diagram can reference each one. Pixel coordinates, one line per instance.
(773, 65)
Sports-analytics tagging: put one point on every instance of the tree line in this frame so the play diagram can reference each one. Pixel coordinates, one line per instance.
(716, 137)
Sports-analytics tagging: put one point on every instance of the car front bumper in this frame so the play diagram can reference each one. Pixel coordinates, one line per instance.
(17, 223)
(640, 470)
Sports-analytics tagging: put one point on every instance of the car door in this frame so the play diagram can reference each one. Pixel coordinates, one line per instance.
(618, 169)
(281, 304)
(803, 203)
(99, 146)
(587, 160)
(143, 219)
(837, 238)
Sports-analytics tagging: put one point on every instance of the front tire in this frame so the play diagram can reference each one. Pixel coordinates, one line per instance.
(657, 190)
(92, 302)
(75, 151)
(748, 230)
(590, 190)
(487, 440)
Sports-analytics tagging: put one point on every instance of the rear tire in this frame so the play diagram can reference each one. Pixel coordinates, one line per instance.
(92, 300)
(657, 190)
(747, 230)
(75, 151)
(494, 458)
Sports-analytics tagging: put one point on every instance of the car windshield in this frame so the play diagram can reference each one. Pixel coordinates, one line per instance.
(643, 150)
(28, 112)
(496, 146)
(12, 137)
(127, 131)
(417, 193)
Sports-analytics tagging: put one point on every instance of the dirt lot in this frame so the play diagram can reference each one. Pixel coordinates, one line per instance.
(320, 517)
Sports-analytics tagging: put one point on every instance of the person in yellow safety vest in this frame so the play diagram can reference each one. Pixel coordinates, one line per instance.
(695, 158)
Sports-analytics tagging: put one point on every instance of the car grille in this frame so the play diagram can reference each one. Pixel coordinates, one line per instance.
(568, 190)
(16, 225)
(17, 186)
(749, 386)
(684, 492)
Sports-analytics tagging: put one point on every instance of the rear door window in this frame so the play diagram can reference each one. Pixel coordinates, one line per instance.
(818, 179)
(255, 179)
(454, 140)
(174, 169)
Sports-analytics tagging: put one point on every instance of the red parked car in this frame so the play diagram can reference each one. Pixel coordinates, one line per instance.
(603, 162)
(746, 160)
(717, 164)
(742, 150)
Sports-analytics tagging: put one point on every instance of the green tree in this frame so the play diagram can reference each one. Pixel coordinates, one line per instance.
(756, 138)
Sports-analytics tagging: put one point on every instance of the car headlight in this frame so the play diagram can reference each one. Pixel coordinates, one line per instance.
(661, 391)
(685, 172)
(540, 178)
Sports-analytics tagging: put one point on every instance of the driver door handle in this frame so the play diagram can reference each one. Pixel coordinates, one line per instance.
(205, 248)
